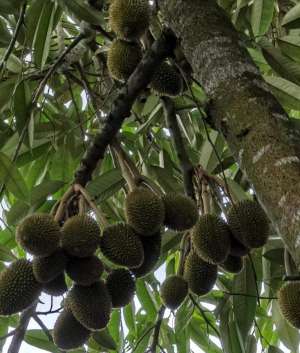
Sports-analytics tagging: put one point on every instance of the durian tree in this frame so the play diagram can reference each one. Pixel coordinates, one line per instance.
(149, 176)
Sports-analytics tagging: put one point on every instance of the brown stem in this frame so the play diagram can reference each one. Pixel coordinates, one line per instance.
(59, 216)
(155, 337)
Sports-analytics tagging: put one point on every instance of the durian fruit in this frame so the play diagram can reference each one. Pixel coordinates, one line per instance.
(39, 234)
(180, 212)
(129, 19)
(57, 286)
(289, 302)
(211, 239)
(121, 287)
(122, 246)
(237, 248)
(122, 59)
(18, 287)
(166, 81)
(200, 275)
(68, 333)
(91, 306)
(45, 269)
(173, 291)
(80, 236)
(85, 271)
(249, 224)
(152, 250)
(145, 211)
(233, 264)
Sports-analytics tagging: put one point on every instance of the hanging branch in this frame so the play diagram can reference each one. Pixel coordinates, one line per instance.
(155, 337)
(121, 108)
(185, 163)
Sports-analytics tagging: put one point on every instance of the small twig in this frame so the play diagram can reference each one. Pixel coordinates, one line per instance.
(287, 263)
(49, 312)
(255, 278)
(11, 333)
(155, 337)
(43, 327)
(249, 295)
(184, 250)
(291, 278)
(142, 337)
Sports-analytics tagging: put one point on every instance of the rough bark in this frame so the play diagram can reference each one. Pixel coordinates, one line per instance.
(244, 110)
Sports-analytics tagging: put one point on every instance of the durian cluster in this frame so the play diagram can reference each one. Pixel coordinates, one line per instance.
(217, 243)
(129, 19)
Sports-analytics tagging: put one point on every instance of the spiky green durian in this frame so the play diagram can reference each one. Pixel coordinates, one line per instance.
(173, 291)
(39, 234)
(152, 250)
(237, 248)
(249, 224)
(68, 333)
(233, 264)
(85, 271)
(180, 212)
(121, 245)
(18, 287)
(211, 239)
(166, 81)
(129, 19)
(57, 286)
(289, 302)
(80, 236)
(121, 287)
(145, 211)
(45, 269)
(200, 275)
(91, 305)
(122, 59)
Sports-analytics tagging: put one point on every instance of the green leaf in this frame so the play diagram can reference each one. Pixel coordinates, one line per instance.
(261, 16)
(22, 103)
(273, 349)
(146, 299)
(6, 90)
(12, 178)
(38, 338)
(292, 18)
(129, 317)
(290, 46)
(17, 212)
(43, 190)
(104, 339)
(13, 64)
(275, 255)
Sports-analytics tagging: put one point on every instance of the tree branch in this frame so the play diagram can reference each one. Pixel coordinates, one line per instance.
(155, 337)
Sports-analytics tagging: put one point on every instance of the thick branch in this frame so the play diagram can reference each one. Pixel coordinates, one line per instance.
(185, 163)
(122, 105)
(252, 121)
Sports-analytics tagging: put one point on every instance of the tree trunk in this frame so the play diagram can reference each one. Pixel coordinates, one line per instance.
(253, 123)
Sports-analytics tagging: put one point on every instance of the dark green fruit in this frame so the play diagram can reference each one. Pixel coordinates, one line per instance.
(152, 250)
(145, 211)
(45, 269)
(68, 333)
(167, 81)
(57, 286)
(39, 234)
(91, 306)
(249, 224)
(211, 239)
(122, 59)
(289, 302)
(121, 287)
(122, 246)
(180, 212)
(233, 264)
(85, 271)
(200, 275)
(237, 248)
(18, 287)
(80, 236)
(129, 18)
(173, 291)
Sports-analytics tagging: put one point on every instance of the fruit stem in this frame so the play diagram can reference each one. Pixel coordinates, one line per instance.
(59, 215)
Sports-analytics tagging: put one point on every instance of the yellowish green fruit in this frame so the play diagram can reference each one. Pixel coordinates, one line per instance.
(145, 211)
(249, 224)
(121, 287)
(152, 250)
(85, 271)
(200, 275)
(180, 212)
(211, 239)
(80, 236)
(45, 269)
(91, 305)
(233, 264)
(57, 286)
(166, 81)
(122, 59)
(121, 245)
(289, 302)
(173, 291)
(39, 234)
(18, 287)
(129, 19)
(68, 333)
